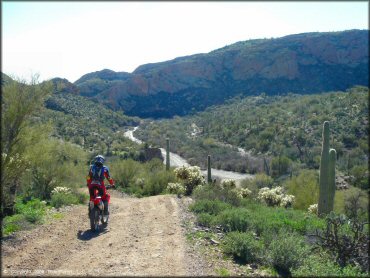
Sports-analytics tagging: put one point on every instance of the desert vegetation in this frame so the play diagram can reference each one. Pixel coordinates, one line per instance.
(271, 221)
(280, 134)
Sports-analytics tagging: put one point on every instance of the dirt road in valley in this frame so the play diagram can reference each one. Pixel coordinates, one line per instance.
(178, 161)
(145, 237)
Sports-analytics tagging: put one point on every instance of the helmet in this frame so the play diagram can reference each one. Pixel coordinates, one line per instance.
(99, 159)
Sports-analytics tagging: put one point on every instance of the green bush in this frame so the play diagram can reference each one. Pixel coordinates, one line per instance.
(125, 172)
(33, 210)
(322, 266)
(206, 220)
(280, 165)
(82, 197)
(361, 176)
(286, 251)
(243, 246)
(260, 180)
(265, 219)
(235, 219)
(213, 207)
(156, 182)
(61, 199)
(305, 188)
(14, 223)
(214, 192)
(142, 179)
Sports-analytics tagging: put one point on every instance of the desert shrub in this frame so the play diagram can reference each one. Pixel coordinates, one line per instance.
(214, 192)
(59, 200)
(14, 223)
(356, 205)
(275, 197)
(322, 266)
(206, 220)
(63, 196)
(234, 219)
(82, 197)
(142, 179)
(267, 220)
(243, 246)
(213, 207)
(346, 240)
(260, 180)
(155, 182)
(53, 164)
(361, 176)
(286, 251)
(341, 198)
(305, 189)
(280, 165)
(125, 172)
(33, 210)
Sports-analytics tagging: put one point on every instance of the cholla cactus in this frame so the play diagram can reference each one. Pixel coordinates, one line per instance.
(140, 182)
(241, 193)
(275, 197)
(61, 190)
(313, 209)
(287, 201)
(245, 192)
(228, 184)
(191, 177)
(176, 188)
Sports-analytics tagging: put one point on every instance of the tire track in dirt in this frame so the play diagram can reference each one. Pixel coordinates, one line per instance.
(144, 237)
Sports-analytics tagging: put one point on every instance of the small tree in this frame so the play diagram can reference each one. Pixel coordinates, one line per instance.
(20, 101)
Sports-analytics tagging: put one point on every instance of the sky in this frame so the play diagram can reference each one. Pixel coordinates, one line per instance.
(70, 39)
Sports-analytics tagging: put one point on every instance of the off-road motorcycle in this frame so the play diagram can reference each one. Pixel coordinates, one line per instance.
(98, 213)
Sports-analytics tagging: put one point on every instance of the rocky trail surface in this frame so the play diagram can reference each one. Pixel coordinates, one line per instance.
(145, 237)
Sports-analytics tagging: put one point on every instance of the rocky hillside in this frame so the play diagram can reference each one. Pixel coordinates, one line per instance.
(303, 63)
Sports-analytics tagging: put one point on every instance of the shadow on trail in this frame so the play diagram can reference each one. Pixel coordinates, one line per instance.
(88, 234)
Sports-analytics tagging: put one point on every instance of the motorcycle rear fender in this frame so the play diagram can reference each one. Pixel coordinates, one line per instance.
(97, 200)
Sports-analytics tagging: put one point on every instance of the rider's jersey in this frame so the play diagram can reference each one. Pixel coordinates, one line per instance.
(97, 174)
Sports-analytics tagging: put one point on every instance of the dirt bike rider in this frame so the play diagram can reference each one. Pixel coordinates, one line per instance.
(98, 171)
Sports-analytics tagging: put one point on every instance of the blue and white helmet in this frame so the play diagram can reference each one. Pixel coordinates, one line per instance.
(99, 159)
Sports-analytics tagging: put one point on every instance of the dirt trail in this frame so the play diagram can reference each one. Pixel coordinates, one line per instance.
(144, 238)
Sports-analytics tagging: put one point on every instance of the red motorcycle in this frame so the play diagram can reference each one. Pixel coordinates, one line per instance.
(97, 213)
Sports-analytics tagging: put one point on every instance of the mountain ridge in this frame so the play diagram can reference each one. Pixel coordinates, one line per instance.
(302, 63)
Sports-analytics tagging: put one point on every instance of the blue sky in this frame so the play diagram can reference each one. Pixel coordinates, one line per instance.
(69, 39)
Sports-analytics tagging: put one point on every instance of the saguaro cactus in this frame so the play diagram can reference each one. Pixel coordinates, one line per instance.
(209, 177)
(327, 174)
(331, 181)
(167, 154)
(266, 166)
